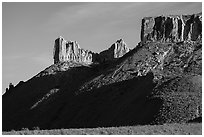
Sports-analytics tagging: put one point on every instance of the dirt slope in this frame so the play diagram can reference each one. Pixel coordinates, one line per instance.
(154, 83)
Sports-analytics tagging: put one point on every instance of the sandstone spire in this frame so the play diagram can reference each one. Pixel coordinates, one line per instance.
(117, 50)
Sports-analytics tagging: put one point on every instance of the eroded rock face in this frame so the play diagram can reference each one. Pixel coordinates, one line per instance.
(172, 28)
(70, 51)
(117, 50)
(163, 80)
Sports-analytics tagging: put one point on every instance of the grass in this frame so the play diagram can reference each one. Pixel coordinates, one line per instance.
(166, 129)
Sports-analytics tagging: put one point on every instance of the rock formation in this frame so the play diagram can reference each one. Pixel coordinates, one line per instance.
(117, 50)
(70, 51)
(172, 28)
(159, 81)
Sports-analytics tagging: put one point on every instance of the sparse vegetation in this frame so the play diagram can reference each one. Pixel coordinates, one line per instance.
(158, 82)
(167, 129)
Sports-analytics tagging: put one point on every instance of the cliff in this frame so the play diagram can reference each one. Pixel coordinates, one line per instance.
(117, 50)
(159, 81)
(70, 51)
(172, 28)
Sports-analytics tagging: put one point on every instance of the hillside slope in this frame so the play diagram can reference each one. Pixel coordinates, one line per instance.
(155, 83)
(134, 90)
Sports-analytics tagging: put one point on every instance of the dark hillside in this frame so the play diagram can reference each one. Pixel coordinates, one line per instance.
(157, 82)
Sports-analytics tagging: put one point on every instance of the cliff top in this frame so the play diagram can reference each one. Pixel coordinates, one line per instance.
(173, 16)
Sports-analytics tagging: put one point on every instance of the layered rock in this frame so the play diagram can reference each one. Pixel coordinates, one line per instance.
(155, 83)
(117, 50)
(70, 51)
(172, 28)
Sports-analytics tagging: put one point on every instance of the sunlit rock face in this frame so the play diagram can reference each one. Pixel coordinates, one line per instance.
(172, 28)
(70, 51)
(120, 48)
(117, 50)
(157, 82)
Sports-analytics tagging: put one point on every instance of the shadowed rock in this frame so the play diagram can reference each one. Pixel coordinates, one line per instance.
(159, 81)
(117, 50)
(172, 28)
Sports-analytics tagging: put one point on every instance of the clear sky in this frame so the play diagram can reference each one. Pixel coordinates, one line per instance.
(29, 30)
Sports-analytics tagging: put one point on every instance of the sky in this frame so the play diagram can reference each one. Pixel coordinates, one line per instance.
(30, 29)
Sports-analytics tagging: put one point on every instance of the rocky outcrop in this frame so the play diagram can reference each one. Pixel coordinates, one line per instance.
(172, 28)
(70, 51)
(155, 83)
(117, 50)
